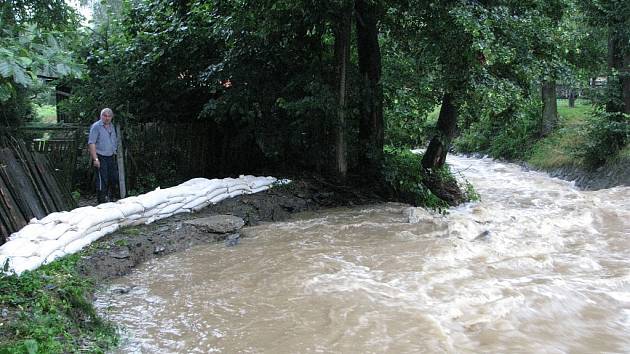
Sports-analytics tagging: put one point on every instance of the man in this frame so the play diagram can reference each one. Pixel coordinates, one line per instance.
(102, 144)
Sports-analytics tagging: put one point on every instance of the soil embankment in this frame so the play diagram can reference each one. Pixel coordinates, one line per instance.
(610, 175)
(116, 254)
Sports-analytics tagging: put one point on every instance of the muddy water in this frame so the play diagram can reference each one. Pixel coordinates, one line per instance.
(535, 267)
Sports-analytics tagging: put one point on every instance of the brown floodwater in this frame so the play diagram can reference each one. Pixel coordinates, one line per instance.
(536, 266)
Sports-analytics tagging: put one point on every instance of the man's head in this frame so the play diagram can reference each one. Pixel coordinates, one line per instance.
(106, 115)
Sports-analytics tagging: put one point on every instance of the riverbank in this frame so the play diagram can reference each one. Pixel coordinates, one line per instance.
(49, 310)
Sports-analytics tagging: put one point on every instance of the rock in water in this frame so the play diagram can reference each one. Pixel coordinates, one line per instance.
(232, 240)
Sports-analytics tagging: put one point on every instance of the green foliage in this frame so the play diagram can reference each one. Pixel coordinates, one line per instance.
(403, 173)
(605, 135)
(507, 133)
(50, 311)
(558, 149)
(33, 41)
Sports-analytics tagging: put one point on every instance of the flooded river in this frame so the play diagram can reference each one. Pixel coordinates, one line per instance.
(536, 266)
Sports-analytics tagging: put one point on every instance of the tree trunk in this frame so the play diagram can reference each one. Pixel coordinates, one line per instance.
(572, 97)
(615, 83)
(626, 82)
(371, 127)
(342, 55)
(550, 107)
(435, 156)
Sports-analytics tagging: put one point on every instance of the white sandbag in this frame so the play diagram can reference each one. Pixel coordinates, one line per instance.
(237, 193)
(45, 248)
(30, 231)
(219, 198)
(21, 264)
(20, 247)
(260, 183)
(70, 236)
(98, 217)
(4, 260)
(237, 187)
(195, 202)
(161, 216)
(196, 182)
(260, 189)
(79, 214)
(153, 199)
(55, 255)
(217, 192)
(78, 244)
(101, 226)
(181, 191)
(201, 206)
(56, 232)
(129, 209)
(56, 217)
(169, 209)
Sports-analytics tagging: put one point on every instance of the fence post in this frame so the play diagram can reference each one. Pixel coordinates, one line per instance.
(120, 159)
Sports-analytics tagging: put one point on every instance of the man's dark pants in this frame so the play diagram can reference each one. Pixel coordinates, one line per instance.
(106, 178)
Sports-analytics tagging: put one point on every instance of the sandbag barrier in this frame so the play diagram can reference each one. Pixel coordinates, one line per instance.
(62, 233)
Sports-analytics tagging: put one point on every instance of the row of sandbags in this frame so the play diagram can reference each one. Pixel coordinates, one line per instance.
(62, 233)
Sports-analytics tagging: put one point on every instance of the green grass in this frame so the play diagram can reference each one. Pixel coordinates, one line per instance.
(557, 149)
(45, 113)
(49, 310)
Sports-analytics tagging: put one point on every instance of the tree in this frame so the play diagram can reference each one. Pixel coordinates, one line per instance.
(33, 37)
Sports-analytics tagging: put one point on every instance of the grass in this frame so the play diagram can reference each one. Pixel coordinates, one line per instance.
(45, 113)
(556, 150)
(49, 310)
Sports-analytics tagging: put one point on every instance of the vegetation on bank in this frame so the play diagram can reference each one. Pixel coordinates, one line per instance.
(50, 310)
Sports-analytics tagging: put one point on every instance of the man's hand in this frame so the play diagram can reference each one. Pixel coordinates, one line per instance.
(97, 163)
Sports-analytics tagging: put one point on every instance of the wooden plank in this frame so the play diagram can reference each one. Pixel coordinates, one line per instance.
(12, 217)
(18, 182)
(26, 158)
(50, 184)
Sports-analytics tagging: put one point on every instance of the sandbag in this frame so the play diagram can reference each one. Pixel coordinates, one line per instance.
(238, 192)
(260, 189)
(129, 209)
(218, 198)
(169, 209)
(70, 236)
(57, 231)
(20, 264)
(56, 217)
(20, 247)
(216, 192)
(45, 248)
(30, 231)
(55, 255)
(78, 244)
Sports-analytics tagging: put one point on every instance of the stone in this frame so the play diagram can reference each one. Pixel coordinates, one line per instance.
(122, 254)
(219, 224)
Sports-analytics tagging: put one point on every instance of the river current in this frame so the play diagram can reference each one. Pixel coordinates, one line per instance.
(537, 266)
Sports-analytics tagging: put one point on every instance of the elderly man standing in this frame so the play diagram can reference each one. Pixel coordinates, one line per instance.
(102, 144)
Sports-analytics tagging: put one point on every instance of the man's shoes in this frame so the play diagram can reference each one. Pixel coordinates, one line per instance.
(101, 197)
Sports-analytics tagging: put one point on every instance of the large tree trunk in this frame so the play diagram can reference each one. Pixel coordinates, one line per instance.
(615, 83)
(435, 156)
(550, 107)
(342, 54)
(371, 128)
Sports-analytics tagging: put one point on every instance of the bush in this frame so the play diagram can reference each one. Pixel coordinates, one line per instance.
(605, 135)
(407, 180)
(49, 310)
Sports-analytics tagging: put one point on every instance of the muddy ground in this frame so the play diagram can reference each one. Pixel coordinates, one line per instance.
(116, 254)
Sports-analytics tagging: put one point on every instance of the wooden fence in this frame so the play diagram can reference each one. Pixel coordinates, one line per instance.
(29, 187)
